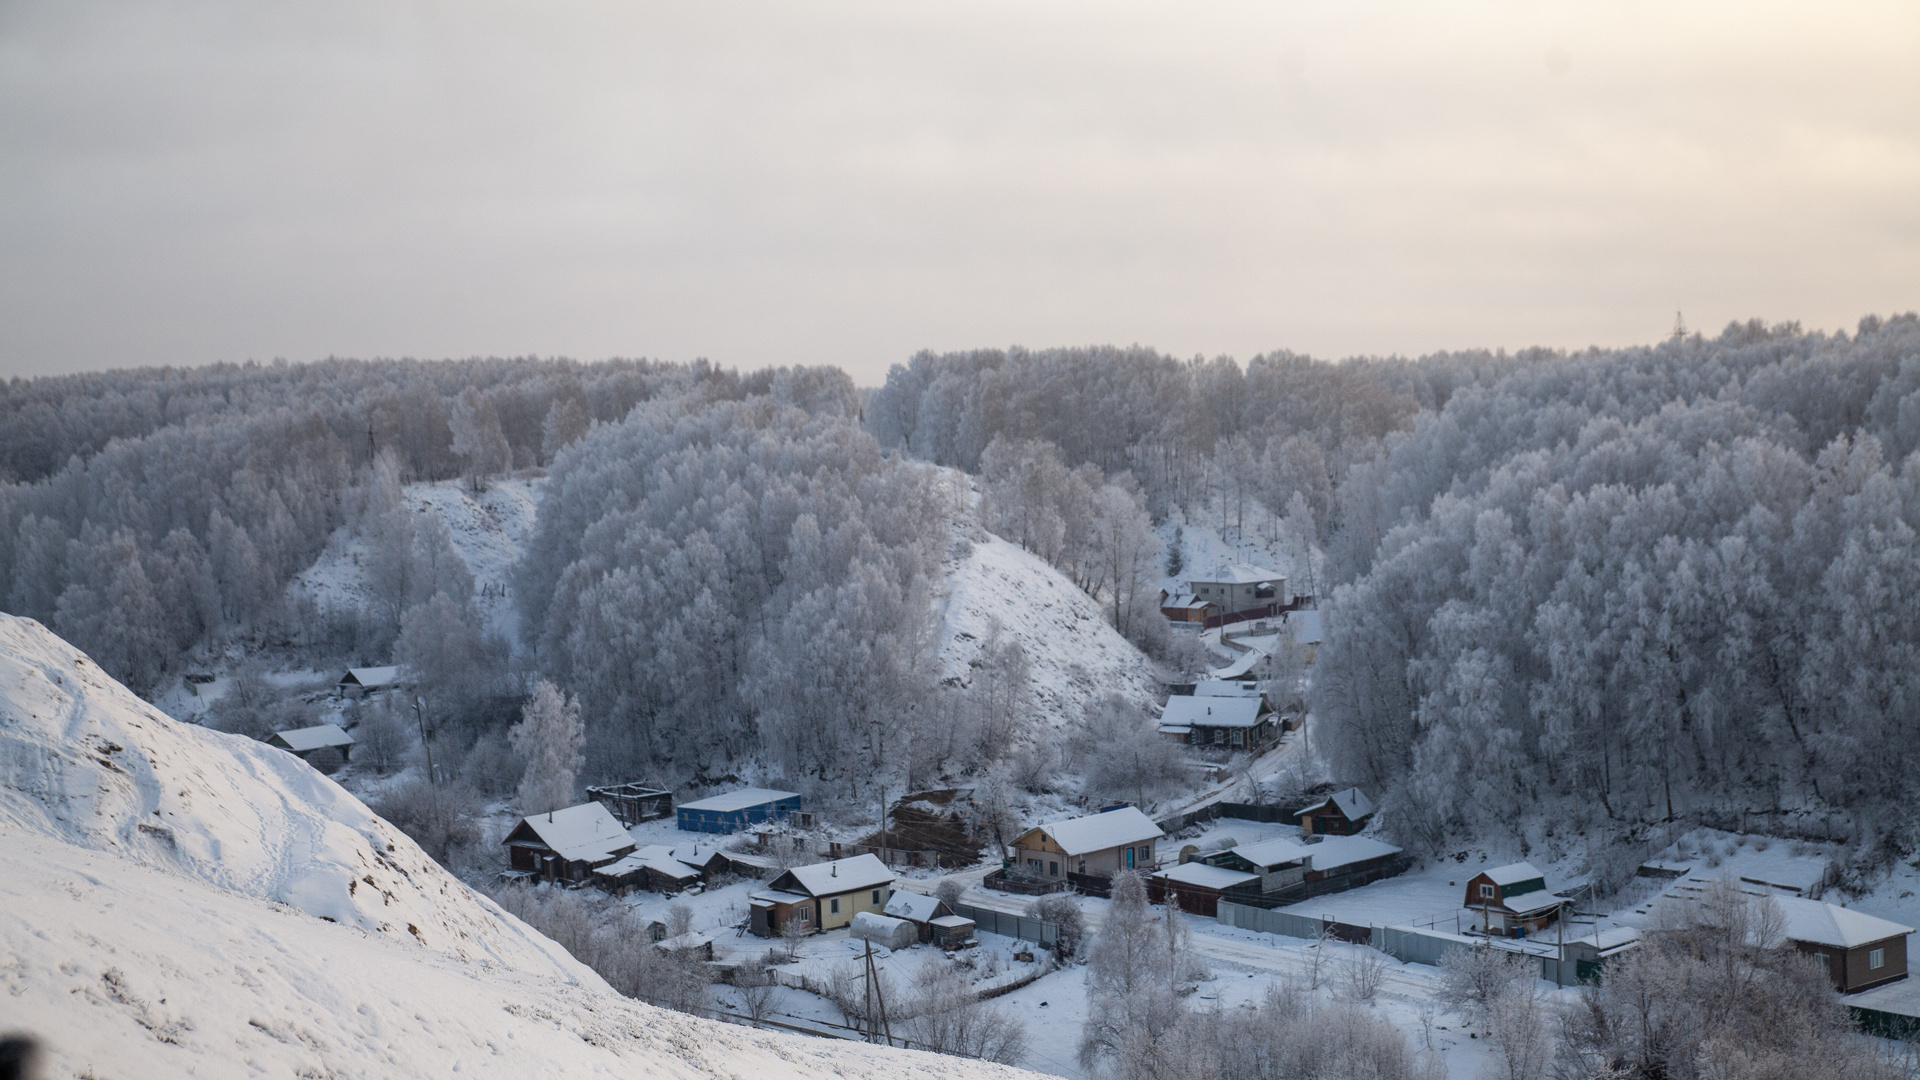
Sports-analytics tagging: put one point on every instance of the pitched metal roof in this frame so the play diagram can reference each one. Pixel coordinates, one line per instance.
(1238, 573)
(840, 876)
(1512, 873)
(1206, 877)
(1818, 923)
(1233, 712)
(1224, 688)
(301, 740)
(587, 831)
(1352, 803)
(743, 799)
(372, 677)
(1098, 832)
(918, 907)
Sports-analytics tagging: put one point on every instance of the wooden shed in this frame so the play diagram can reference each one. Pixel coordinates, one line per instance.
(1198, 888)
(1343, 813)
(303, 742)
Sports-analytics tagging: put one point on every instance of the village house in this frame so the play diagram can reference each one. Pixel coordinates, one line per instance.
(363, 682)
(736, 810)
(1230, 723)
(1862, 951)
(824, 896)
(567, 845)
(662, 869)
(1316, 864)
(1343, 813)
(1237, 587)
(1185, 607)
(304, 742)
(1098, 845)
(1512, 900)
(1197, 887)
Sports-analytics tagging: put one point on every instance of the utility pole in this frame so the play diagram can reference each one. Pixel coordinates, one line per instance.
(877, 1025)
(420, 719)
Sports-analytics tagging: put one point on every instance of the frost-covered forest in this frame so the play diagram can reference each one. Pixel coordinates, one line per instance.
(1667, 582)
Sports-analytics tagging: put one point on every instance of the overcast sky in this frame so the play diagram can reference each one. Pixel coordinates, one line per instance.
(770, 183)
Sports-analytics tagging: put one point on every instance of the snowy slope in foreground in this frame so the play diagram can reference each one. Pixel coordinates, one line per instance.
(1076, 654)
(184, 902)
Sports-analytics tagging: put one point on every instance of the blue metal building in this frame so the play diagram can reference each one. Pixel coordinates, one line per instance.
(736, 810)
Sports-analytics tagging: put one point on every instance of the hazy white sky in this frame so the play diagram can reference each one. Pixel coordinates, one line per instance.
(846, 183)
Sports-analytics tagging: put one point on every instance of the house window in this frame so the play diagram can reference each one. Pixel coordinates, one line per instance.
(1034, 865)
(876, 896)
(1083, 866)
(1053, 868)
(836, 905)
(1486, 891)
(1876, 959)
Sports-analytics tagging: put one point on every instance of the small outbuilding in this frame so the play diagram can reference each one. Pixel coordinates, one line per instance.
(567, 845)
(951, 931)
(361, 682)
(695, 944)
(883, 930)
(302, 742)
(917, 908)
(736, 810)
(1343, 813)
(1198, 888)
(1186, 608)
(1100, 844)
(1512, 900)
(1862, 951)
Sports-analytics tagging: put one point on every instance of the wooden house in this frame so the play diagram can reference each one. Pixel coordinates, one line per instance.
(363, 682)
(662, 869)
(1279, 864)
(1861, 951)
(1229, 723)
(1099, 845)
(303, 742)
(1186, 608)
(951, 931)
(919, 909)
(1343, 813)
(1512, 900)
(736, 810)
(567, 845)
(1198, 887)
(824, 896)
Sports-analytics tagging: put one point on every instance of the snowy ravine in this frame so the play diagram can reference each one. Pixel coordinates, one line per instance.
(489, 530)
(180, 902)
(1076, 654)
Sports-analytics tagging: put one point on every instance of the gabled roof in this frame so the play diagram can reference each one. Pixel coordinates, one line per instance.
(1333, 852)
(1818, 923)
(1224, 688)
(1276, 852)
(1352, 803)
(743, 799)
(917, 907)
(1238, 573)
(1184, 600)
(836, 877)
(301, 740)
(1512, 873)
(1206, 877)
(587, 831)
(371, 677)
(1098, 832)
(1233, 712)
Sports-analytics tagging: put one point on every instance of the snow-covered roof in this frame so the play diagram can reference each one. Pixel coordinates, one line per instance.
(1306, 626)
(1206, 877)
(742, 799)
(1233, 712)
(1512, 873)
(886, 925)
(1184, 600)
(1352, 803)
(919, 907)
(372, 677)
(1275, 852)
(1227, 688)
(841, 875)
(1818, 923)
(777, 896)
(1176, 729)
(1528, 903)
(952, 921)
(1333, 852)
(301, 740)
(653, 857)
(587, 831)
(1238, 573)
(1098, 832)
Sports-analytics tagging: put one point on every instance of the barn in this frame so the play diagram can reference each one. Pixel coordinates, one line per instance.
(304, 741)
(736, 810)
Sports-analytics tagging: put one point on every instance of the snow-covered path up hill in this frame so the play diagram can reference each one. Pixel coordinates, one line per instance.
(181, 902)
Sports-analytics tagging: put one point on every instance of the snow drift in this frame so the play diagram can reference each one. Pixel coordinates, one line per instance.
(182, 901)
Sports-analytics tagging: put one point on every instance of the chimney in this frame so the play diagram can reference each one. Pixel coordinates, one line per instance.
(833, 869)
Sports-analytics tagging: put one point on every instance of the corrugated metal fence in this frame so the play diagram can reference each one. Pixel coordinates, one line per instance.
(1270, 922)
(987, 920)
(1404, 943)
(1412, 946)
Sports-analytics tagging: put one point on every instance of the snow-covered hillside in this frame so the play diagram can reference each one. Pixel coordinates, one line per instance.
(184, 902)
(1076, 654)
(489, 530)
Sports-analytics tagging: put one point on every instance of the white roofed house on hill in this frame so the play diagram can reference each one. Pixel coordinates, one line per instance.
(1513, 900)
(1237, 587)
(1231, 723)
(567, 845)
(362, 681)
(1862, 951)
(1080, 850)
(304, 742)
